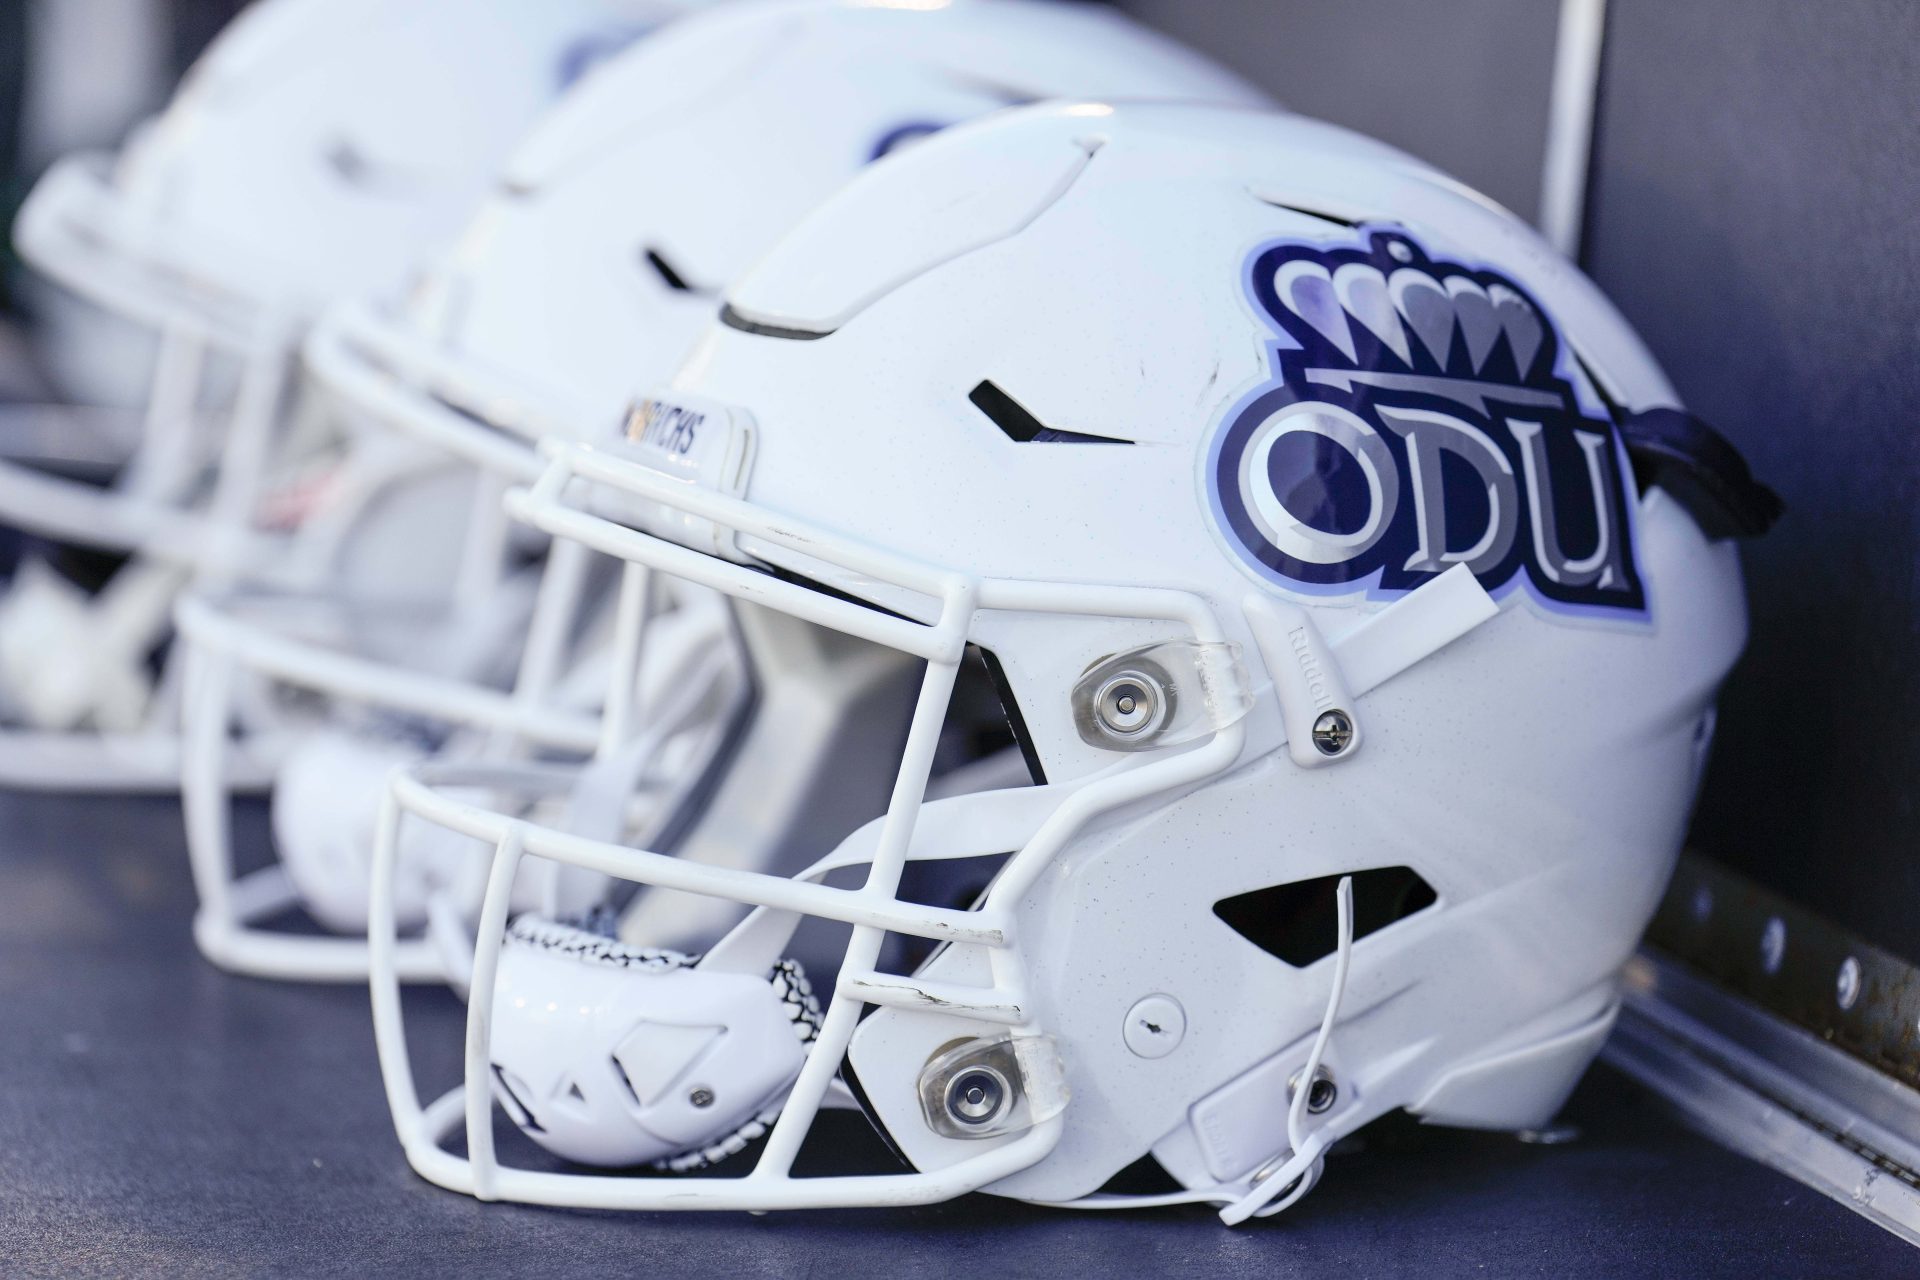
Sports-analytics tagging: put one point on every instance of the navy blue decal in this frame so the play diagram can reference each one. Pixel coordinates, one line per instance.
(1418, 419)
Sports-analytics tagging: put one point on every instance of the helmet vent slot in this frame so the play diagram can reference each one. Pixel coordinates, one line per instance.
(1295, 923)
(1022, 427)
(1318, 215)
(669, 274)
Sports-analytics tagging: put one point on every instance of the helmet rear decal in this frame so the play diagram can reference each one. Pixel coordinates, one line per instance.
(1418, 417)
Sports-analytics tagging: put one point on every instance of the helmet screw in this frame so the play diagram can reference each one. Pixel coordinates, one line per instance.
(975, 1096)
(1322, 1093)
(1333, 732)
(701, 1097)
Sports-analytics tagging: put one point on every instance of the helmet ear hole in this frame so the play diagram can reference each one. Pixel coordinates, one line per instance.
(1296, 923)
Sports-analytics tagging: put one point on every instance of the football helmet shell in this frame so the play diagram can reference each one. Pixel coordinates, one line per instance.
(1294, 856)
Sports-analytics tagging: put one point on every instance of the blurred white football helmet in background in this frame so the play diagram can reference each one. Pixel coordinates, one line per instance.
(1365, 675)
(95, 68)
(313, 151)
(579, 284)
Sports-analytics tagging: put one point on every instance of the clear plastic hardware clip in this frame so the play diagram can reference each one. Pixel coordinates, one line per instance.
(987, 1087)
(1161, 695)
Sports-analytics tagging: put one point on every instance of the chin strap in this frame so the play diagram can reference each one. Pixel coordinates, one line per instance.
(1301, 1171)
(1283, 1180)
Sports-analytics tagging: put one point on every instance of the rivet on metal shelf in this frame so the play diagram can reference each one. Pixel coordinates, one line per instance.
(1773, 944)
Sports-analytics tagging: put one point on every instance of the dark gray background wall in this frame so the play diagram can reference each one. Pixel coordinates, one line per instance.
(1460, 83)
(1755, 211)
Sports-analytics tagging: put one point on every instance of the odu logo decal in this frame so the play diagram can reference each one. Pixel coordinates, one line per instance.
(1418, 419)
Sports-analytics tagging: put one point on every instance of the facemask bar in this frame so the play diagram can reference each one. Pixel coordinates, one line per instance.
(382, 370)
(219, 644)
(543, 714)
(388, 372)
(874, 909)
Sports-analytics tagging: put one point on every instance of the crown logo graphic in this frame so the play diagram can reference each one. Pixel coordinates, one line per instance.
(1388, 309)
(1417, 419)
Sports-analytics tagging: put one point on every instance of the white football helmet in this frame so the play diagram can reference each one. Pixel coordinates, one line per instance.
(1365, 680)
(578, 285)
(314, 151)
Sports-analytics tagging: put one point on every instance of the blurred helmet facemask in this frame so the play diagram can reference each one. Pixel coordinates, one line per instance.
(578, 285)
(1316, 836)
(314, 151)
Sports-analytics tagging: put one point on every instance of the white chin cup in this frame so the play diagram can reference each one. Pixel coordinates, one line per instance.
(615, 1055)
(326, 801)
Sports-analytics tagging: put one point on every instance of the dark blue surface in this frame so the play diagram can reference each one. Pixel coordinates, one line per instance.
(1756, 177)
(158, 1117)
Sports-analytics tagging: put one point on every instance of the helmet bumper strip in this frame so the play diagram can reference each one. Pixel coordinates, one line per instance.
(954, 599)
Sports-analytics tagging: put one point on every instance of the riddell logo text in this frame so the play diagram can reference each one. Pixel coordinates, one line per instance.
(1310, 668)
